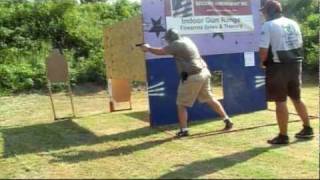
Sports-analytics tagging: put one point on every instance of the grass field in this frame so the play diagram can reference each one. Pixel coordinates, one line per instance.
(98, 144)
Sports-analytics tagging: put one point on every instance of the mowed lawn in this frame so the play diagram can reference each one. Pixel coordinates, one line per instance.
(99, 144)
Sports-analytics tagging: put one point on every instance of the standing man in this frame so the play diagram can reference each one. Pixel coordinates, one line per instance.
(195, 78)
(281, 55)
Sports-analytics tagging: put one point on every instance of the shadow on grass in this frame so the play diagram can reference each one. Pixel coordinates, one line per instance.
(218, 132)
(125, 150)
(198, 169)
(45, 137)
(65, 134)
(141, 115)
(59, 135)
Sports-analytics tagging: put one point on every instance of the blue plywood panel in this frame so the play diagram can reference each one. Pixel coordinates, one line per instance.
(243, 88)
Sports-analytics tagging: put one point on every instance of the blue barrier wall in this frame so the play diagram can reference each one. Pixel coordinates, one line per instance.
(243, 88)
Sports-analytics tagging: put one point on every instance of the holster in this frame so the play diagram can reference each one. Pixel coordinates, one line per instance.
(184, 76)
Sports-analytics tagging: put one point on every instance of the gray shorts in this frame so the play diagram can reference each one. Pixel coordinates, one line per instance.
(283, 80)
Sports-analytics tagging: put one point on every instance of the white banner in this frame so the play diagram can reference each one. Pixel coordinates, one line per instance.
(211, 24)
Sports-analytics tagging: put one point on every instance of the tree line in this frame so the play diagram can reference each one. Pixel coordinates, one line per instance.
(30, 29)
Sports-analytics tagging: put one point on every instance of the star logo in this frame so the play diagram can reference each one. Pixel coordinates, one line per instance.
(221, 35)
(157, 27)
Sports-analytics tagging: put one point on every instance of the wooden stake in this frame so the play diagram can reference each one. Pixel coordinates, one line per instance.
(71, 99)
(51, 100)
(111, 106)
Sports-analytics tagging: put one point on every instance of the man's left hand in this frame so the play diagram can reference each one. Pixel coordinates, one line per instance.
(262, 65)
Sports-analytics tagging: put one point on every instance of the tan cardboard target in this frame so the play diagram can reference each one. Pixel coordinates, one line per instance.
(123, 59)
(57, 72)
(57, 67)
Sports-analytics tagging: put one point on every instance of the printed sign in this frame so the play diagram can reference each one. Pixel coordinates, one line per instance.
(249, 60)
(209, 16)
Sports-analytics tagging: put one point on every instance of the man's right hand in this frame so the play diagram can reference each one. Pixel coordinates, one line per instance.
(145, 47)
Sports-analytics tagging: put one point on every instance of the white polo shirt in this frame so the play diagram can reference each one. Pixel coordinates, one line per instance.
(284, 36)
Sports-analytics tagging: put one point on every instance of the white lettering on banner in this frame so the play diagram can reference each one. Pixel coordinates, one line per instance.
(204, 3)
(212, 20)
(221, 3)
(211, 24)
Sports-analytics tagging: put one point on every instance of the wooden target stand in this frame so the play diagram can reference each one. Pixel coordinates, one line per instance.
(124, 61)
(57, 72)
(119, 92)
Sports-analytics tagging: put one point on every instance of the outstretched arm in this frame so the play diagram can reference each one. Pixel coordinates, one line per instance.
(153, 50)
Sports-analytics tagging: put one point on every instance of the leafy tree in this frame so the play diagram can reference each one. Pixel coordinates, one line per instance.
(306, 12)
(92, 1)
(28, 30)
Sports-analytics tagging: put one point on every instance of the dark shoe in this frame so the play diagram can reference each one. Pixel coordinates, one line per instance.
(305, 133)
(182, 134)
(228, 125)
(280, 139)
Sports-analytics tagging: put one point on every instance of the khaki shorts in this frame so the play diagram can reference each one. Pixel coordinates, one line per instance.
(196, 87)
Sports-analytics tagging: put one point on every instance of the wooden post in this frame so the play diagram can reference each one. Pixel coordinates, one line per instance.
(111, 106)
(51, 100)
(71, 99)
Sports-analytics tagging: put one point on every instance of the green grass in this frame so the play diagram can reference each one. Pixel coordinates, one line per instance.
(99, 144)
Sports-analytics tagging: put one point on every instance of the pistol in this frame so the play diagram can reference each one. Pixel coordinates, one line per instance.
(140, 44)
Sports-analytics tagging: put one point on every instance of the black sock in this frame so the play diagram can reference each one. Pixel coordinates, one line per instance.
(227, 120)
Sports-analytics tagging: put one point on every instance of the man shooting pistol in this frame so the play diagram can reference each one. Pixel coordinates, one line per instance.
(195, 77)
